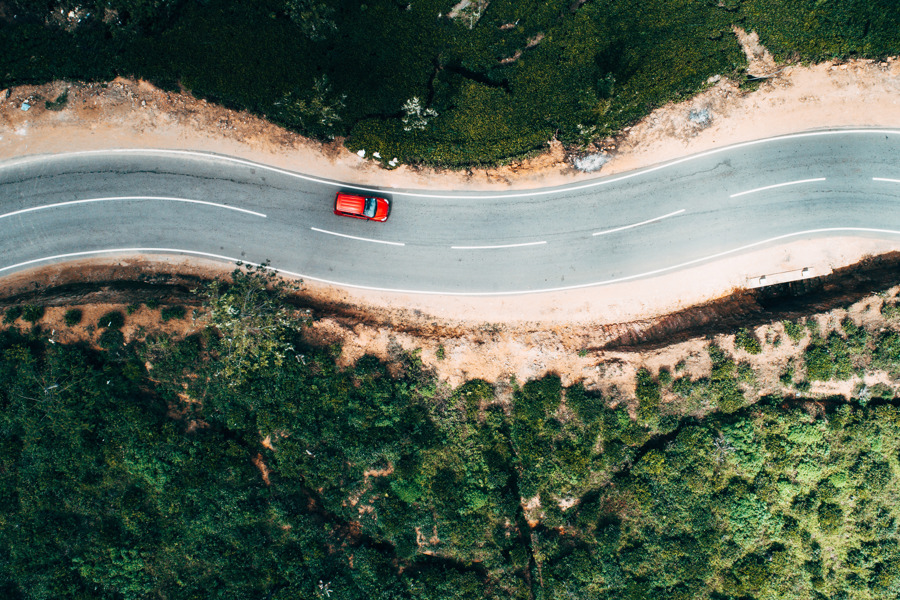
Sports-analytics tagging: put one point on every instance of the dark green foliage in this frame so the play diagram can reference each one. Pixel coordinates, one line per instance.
(828, 359)
(72, 317)
(122, 482)
(886, 355)
(111, 338)
(890, 310)
(152, 303)
(647, 391)
(794, 330)
(857, 337)
(723, 388)
(59, 103)
(747, 341)
(111, 320)
(817, 30)
(132, 308)
(12, 313)
(32, 313)
(172, 312)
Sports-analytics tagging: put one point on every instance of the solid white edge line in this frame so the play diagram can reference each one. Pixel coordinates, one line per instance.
(888, 180)
(445, 293)
(494, 247)
(777, 185)
(591, 184)
(671, 214)
(353, 237)
(125, 198)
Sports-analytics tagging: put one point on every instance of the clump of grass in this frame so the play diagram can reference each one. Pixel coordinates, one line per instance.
(664, 376)
(59, 103)
(32, 313)
(111, 338)
(747, 341)
(12, 313)
(440, 353)
(112, 320)
(172, 312)
(72, 317)
(793, 329)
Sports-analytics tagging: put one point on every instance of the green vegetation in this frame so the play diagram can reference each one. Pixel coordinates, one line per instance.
(747, 341)
(240, 463)
(820, 30)
(12, 313)
(409, 81)
(794, 330)
(112, 320)
(32, 313)
(172, 312)
(72, 317)
(59, 103)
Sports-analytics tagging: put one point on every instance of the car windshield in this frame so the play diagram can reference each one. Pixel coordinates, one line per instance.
(371, 205)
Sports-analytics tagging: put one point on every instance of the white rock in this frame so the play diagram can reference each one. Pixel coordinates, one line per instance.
(361, 153)
(376, 155)
(591, 162)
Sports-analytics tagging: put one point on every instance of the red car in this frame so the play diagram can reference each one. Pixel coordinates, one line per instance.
(370, 208)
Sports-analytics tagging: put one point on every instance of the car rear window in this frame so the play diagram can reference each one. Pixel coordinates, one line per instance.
(371, 206)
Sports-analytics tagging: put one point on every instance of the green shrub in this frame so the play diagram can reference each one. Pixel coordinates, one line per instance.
(664, 376)
(111, 320)
(857, 337)
(72, 317)
(132, 308)
(787, 376)
(152, 304)
(890, 310)
(440, 353)
(32, 313)
(828, 359)
(111, 338)
(172, 312)
(59, 103)
(793, 330)
(12, 313)
(886, 355)
(747, 341)
(647, 391)
(683, 386)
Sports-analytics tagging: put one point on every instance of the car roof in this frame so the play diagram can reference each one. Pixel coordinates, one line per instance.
(350, 203)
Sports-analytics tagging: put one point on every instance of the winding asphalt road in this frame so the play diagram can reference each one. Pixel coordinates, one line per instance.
(696, 209)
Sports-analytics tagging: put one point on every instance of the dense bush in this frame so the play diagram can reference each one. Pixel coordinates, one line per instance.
(114, 319)
(748, 341)
(32, 313)
(142, 472)
(172, 312)
(72, 317)
(12, 313)
(816, 30)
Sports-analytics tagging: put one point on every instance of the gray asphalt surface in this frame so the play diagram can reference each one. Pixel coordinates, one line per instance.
(559, 223)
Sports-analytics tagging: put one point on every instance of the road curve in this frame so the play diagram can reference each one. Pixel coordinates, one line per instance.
(610, 229)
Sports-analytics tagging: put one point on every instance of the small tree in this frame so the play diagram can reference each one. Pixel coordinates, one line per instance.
(254, 325)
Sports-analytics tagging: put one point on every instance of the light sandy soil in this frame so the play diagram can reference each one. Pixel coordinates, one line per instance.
(492, 338)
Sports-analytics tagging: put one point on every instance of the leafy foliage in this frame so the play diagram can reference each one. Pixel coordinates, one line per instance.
(748, 341)
(251, 320)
